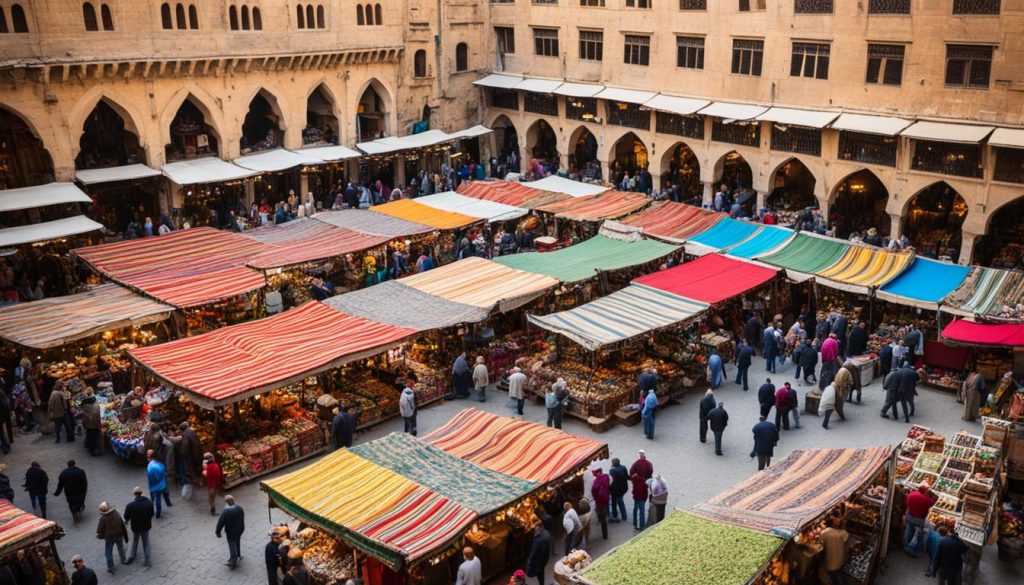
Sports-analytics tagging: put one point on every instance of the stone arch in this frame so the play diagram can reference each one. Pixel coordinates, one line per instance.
(277, 109)
(123, 107)
(679, 169)
(579, 152)
(17, 133)
(858, 202)
(385, 97)
(322, 88)
(202, 99)
(621, 147)
(933, 219)
(506, 135)
(796, 187)
(733, 166)
(542, 140)
(1001, 240)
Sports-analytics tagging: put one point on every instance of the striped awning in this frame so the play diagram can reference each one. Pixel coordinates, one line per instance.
(584, 260)
(482, 283)
(607, 205)
(306, 240)
(673, 222)
(765, 240)
(410, 210)
(725, 233)
(185, 268)
(232, 363)
(633, 311)
(862, 268)
(491, 211)
(508, 192)
(19, 529)
(924, 284)
(377, 224)
(985, 292)
(54, 321)
(806, 255)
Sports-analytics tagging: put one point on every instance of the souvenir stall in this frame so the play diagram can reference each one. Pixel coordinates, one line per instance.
(452, 226)
(122, 194)
(581, 218)
(673, 222)
(987, 348)
(404, 506)
(205, 190)
(28, 545)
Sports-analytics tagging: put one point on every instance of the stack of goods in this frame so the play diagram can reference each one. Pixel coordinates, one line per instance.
(992, 364)
(366, 410)
(501, 355)
(428, 384)
(942, 377)
(258, 454)
(233, 465)
(126, 438)
(304, 432)
(296, 438)
(327, 560)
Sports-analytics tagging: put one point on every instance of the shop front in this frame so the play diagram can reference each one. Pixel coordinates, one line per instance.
(28, 544)
(858, 205)
(792, 191)
(1002, 246)
(933, 220)
(205, 192)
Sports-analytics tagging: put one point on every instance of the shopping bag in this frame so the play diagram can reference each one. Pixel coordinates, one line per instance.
(186, 492)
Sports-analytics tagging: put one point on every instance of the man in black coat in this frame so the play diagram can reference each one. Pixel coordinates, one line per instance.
(232, 523)
(272, 556)
(912, 339)
(839, 326)
(540, 552)
(766, 396)
(908, 386)
(858, 340)
(766, 436)
(808, 362)
(82, 575)
(620, 485)
(718, 419)
(891, 385)
(949, 559)
(37, 484)
(707, 404)
(821, 331)
(74, 484)
(885, 359)
(753, 330)
(744, 354)
(343, 428)
(139, 516)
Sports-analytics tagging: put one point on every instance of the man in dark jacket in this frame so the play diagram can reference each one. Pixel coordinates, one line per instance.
(232, 523)
(272, 555)
(839, 327)
(189, 455)
(891, 385)
(139, 516)
(766, 396)
(540, 552)
(91, 423)
(885, 359)
(82, 575)
(794, 403)
(74, 484)
(821, 330)
(808, 363)
(770, 346)
(949, 559)
(912, 340)
(718, 419)
(858, 340)
(753, 330)
(744, 354)
(343, 428)
(908, 385)
(620, 485)
(766, 436)
(707, 404)
(37, 484)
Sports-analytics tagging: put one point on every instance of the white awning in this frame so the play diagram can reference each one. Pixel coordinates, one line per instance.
(47, 230)
(41, 195)
(480, 208)
(730, 111)
(557, 184)
(630, 96)
(421, 140)
(808, 118)
(278, 159)
(538, 85)
(1007, 138)
(675, 105)
(109, 175)
(204, 170)
(943, 132)
(478, 130)
(499, 81)
(330, 153)
(883, 125)
(580, 90)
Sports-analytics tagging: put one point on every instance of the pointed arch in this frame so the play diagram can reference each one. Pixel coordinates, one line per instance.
(733, 169)
(264, 117)
(793, 185)
(680, 168)
(201, 99)
(133, 118)
(19, 136)
(374, 117)
(858, 203)
(630, 152)
(933, 219)
(506, 135)
(541, 140)
(323, 111)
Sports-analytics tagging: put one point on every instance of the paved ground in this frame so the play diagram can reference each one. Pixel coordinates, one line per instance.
(186, 551)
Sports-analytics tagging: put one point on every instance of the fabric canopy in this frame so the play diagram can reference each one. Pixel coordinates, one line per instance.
(806, 255)
(924, 284)
(20, 529)
(277, 159)
(569, 187)
(367, 222)
(710, 279)
(515, 447)
(807, 118)
(507, 192)
(943, 132)
(1000, 334)
(482, 283)
(607, 205)
(396, 304)
(673, 222)
(682, 106)
(478, 208)
(41, 196)
(232, 363)
(112, 174)
(185, 268)
(870, 124)
(411, 210)
(583, 261)
(580, 90)
(862, 268)
(54, 321)
(204, 170)
(306, 240)
(500, 81)
(986, 291)
(725, 233)
(1007, 138)
(393, 144)
(329, 153)
(730, 111)
(794, 492)
(47, 230)
(765, 240)
(620, 316)
(629, 96)
(538, 85)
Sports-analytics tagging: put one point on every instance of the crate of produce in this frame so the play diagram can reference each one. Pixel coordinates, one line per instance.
(917, 477)
(960, 452)
(947, 486)
(929, 462)
(963, 439)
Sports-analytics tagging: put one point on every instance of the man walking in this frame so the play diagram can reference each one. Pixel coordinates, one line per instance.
(782, 408)
(707, 404)
(110, 529)
(73, 482)
(647, 413)
(516, 384)
(744, 354)
(83, 575)
(718, 419)
(949, 559)
(470, 571)
(480, 378)
(908, 385)
(156, 475)
(794, 403)
(139, 516)
(639, 473)
(807, 364)
(540, 552)
(343, 428)
(554, 400)
(573, 528)
(407, 408)
(56, 411)
(37, 484)
(91, 423)
(620, 485)
(771, 347)
(766, 396)
(600, 491)
(232, 523)
(766, 436)
(189, 458)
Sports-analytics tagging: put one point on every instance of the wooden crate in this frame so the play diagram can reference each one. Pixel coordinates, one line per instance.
(600, 425)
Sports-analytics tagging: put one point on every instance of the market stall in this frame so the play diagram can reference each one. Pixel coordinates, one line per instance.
(806, 255)
(862, 269)
(556, 184)
(491, 211)
(673, 222)
(925, 284)
(482, 283)
(24, 535)
(723, 234)
(207, 188)
(581, 217)
(989, 293)
(510, 193)
(766, 240)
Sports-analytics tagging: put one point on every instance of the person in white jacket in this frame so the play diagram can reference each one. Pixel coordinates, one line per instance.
(827, 404)
(516, 382)
(407, 408)
(480, 378)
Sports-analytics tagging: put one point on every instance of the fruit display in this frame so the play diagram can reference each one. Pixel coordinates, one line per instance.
(327, 560)
(970, 534)
(958, 452)
(963, 439)
(918, 477)
(947, 486)
(960, 465)
(910, 448)
(903, 467)
(929, 462)
(365, 409)
(933, 443)
(941, 518)
(577, 560)
(918, 432)
(947, 504)
(952, 474)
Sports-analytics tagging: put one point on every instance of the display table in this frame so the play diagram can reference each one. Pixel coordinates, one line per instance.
(868, 365)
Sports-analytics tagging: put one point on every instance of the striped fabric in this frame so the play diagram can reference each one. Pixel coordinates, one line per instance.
(491, 211)
(481, 283)
(375, 224)
(725, 233)
(985, 291)
(186, 268)
(19, 528)
(54, 321)
(673, 222)
(514, 447)
(394, 303)
(712, 278)
(794, 492)
(507, 192)
(583, 261)
(307, 240)
(807, 254)
(232, 363)
(410, 210)
(766, 239)
(607, 205)
(627, 313)
(862, 267)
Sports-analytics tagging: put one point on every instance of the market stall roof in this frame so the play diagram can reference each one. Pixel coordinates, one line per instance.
(41, 196)
(394, 303)
(629, 96)
(807, 118)
(1007, 138)
(985, 292)
(558, 184)
(709, 279)
(579, 90)
(479, 208)
(766, 239)
(54, 321)
(232, 363)
(538, 85)
(392, 144)
(584, 260)
(962, 133)
(794, 492)
(412, 210)
(725, 233)
(19, 529)
(998, 334)
(208, 169)
(730, 111)
(515, 447)
(607, 205)
(806, 255)
(862, 268)
(185, 268)
(499, 80)
(630, 312)
(682, 106)
(482, 283)
(306, 240)
(883, 125)
(329, 153)
(924, 284)
(111, 174)
(367, 222)
(47, 230)
(673, 222)
(277, 159)
(508, 192)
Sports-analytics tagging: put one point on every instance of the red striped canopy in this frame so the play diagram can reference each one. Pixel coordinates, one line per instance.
(19, 529)
(673, 221)
(307, 240)
(507, 192)
(514, 447)
(186, 268)
(712, 278)
(233, 363)
(607, 205)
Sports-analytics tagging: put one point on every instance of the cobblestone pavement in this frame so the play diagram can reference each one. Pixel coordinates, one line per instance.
(185, 550)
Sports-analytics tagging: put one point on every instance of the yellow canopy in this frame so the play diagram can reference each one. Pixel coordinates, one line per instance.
(866, 267)
(410, 210)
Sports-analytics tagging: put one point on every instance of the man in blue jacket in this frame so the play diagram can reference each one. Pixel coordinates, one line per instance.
(156, 473)
(766, 436)
(647, 413)
(232, 523)
(743, 356)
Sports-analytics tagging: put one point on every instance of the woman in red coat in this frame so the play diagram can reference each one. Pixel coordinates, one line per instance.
(214, 480)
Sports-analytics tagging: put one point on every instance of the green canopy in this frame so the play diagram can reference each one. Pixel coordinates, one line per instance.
(807, 254)
(582, 261)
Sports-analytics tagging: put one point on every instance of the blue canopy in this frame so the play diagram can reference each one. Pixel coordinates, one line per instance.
(769, 238)
(925, 283)
(723, 234)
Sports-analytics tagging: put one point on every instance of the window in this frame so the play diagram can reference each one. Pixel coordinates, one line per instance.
(691, 126)
(637, 50)
(3, 21)
(885, 64)
(179, 16)
(89, 16)
(233, 17)
(888, 6)
(591, 45)
(378, 16)
(506, 39)
(592, 3)
(461, 57)
(745, 134)
(812, 6)
(368, 9)
(975, 6)
(257, 19)
(193, 17)
(165, 16)
(810, 60)
(246, 25)
(948, 158)
(582, 109)
(321, 21)
(359, 15)
(419, 64)
(18, 21)
(540, 103)
(868, 148)
(1009, 165)
(750, 5)
(693, 4)
(545, 42)
(968, 66)
(504, 98)
(746, 57)
(690, 52)
(310, 17)
(639, 3)
(796, 139)
(628, 115)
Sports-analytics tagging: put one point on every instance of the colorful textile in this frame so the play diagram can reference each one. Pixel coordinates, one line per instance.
(54, 321)
(583, 261)
(998, 334)
(307, 240)
(491, 211)
(709, 279)
(367, 222)
(396, 304)
(232, 363)
(185, 268)
(727, 232)
(514, 447)
(410, 210)
(986, 291)
(673, 222)
(925, 283)
(607, 205)
(765, 240)
(806, 254)
(507, 192)
(794, 492)
(861, 268)
(19, 528)
(481, 283)
(627, 313)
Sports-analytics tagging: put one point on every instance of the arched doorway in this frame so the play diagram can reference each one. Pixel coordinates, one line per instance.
(629, 155)
(24, 161)
(261, 129)
(542, 144)
(106, 140)
(583, 153)
(933, 220)
(321, 123)
(1002, 246)
(858, 205)
(735, 172)
(682, 174)
(191, 133)
(792, 188)
(372, 114)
